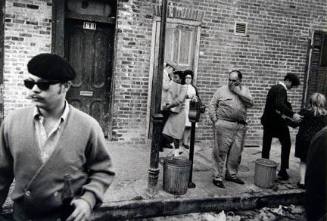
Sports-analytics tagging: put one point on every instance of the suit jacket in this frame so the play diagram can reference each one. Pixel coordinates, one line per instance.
(276, 106)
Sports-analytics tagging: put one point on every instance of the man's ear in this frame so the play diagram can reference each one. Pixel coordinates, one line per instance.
(67, 85)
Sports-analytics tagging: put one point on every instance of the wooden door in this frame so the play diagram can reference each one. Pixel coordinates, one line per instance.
(89, 48)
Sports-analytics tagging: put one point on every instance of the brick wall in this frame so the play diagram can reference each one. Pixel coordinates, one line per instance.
(27, 33)
(275, 44)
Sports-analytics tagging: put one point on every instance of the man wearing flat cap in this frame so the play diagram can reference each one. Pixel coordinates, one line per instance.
(51, 145)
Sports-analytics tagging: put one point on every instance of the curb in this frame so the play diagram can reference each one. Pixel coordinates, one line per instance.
(154, 208)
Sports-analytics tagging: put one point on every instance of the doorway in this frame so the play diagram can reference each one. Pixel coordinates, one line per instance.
(89, 49)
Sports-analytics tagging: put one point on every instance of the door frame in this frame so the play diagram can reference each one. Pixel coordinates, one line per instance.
(155, 24)
(59, 15)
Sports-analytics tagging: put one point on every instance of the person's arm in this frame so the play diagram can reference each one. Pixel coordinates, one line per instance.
(244, 94)
(212, 107)
(279, 102)
(99, 167)
(179, 99)
(6, 166)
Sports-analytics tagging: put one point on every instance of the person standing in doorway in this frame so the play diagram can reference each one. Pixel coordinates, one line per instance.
(167, 78)
(174, 127)
(227, 111)
(51, 144)
(274, 121)
(191, 95)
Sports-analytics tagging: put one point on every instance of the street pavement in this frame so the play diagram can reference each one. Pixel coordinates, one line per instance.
(131, 162)
(128, 197)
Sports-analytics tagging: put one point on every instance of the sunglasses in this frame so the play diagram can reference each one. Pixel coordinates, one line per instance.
(42, 85)
(232, 80)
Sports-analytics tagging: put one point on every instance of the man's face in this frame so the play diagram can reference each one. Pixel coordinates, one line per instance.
(46, 98)
(288, 84)
(233, 80)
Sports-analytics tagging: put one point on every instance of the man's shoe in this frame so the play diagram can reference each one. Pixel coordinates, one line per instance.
(234, 179)
(301, 185)
(218, 183)
(283, 175)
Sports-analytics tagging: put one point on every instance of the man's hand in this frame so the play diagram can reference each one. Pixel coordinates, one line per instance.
(297, 117)
(82, 211)
(236, 88)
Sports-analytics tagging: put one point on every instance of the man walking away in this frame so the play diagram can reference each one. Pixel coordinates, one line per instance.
(274, 122)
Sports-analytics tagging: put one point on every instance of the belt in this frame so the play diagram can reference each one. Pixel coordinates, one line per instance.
(234, 121)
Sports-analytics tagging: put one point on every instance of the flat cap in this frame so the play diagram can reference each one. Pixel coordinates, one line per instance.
(171, 64)
(51, 67)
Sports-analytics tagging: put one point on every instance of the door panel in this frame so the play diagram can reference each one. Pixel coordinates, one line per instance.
(89, 51)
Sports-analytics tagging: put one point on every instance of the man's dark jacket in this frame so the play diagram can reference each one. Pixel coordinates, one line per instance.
(276, 102)
(316, 178)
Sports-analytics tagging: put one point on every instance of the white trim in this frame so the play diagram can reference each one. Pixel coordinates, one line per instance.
(148, 109)
(246, 28)
(196, 54)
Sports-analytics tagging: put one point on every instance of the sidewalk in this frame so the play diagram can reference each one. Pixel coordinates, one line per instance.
(127, 196)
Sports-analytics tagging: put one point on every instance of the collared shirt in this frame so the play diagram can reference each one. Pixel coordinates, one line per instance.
(227, 105)
(47, 142)
(283, 84)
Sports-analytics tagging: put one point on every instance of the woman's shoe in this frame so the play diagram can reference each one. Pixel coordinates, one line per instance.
(186, 146)
(178, 152)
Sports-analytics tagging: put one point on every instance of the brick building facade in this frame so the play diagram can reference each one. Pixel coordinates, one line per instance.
(264, 39)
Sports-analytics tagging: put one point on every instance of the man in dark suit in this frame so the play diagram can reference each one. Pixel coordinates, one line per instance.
(274, 123)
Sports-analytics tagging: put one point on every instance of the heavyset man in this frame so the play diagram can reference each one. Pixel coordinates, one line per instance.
(39, 145)
(227, 111)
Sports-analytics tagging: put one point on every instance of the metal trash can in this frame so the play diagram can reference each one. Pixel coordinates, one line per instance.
(265, 173)
(176, 173)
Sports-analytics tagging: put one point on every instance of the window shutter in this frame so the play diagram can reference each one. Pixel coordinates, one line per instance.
(316, 77)
(180, 45)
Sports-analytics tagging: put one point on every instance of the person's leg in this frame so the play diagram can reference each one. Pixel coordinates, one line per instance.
(235, 152)
(266, 143)
(177, 150)
(186, 137)
(285, 141)
(223, 140)
(302, 172)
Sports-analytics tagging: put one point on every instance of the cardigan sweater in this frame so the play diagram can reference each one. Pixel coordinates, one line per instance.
(80, 152)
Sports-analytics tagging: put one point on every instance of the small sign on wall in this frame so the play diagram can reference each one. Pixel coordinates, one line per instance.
(89, 25)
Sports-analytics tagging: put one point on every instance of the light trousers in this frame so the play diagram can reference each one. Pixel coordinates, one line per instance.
(228, 146)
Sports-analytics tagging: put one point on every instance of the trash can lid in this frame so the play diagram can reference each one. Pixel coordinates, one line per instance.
(178, 161)
(266, 162)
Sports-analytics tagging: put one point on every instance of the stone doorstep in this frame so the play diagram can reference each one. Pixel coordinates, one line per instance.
(154, 208)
